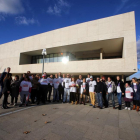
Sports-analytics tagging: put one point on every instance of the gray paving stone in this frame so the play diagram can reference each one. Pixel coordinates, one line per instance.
(52, 136)
(109, 136)
(93, 134)
(62, 129)
(127, 134)
(74, 134)
(111, 129)
(70, 122)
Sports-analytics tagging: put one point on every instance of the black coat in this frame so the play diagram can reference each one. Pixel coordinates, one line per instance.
(15, 88)
(136, 95)
(6, 85)
(99, 87)
(2, 78)
(121, 86)
(104, 87)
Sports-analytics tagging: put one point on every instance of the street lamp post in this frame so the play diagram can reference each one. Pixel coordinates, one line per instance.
(44, 52)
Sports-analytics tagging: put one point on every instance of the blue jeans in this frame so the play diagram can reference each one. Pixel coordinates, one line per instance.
(55, 94)
(112, 96)
(119, 95)
(99, 98)
(66, 95)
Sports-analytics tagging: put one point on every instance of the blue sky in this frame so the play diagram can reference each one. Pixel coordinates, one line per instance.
(23, 18)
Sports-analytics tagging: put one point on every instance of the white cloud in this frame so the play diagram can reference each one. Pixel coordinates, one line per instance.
(138, 50)
(21, 20)
(121, 6)
(58, 7)
(11, 6)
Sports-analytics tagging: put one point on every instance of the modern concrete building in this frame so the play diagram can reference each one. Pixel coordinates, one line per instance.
(101, 47)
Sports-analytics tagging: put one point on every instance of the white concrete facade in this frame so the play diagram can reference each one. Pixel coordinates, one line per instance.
(119, 26)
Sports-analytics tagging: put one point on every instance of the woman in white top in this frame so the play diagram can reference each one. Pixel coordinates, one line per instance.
(73, 88)
(128, 96)
(84, 89)
(25, 90)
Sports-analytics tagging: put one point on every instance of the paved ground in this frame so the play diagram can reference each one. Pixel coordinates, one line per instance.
(69, 122)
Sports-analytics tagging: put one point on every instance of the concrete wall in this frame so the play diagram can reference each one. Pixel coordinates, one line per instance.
(107, 28)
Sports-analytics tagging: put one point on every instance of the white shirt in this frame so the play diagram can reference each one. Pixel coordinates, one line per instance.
(73, 89)
(128, 92)
(67, 82)
(62, 81)
(50, 81)
(83, 87)
(118, 89)
(25, 85)
(44, 81)
(135, 87)
(56, 82)
(109, 87)
(88, 80)
(92, 86)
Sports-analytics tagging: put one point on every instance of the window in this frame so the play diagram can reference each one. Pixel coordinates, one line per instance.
(51, 58)
(60, 57)
(55, 57)
(47, 59)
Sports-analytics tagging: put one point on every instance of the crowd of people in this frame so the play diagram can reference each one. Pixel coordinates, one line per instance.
(66, 88)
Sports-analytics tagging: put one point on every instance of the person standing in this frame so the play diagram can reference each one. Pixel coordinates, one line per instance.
(92, 85)
(79, 82)
(136, 98)
(67, 89)
(2, 78)
(104, 91)
(25, 90)
(6, 89)
(63, 85)
(60, 88)
(110, 91)
(120, 91)
(84, 89)
(87, 81)
(35, 86)
(56, 82)
(43, 88)
(99, 90)
(50, 84)
(15, 90)
(38, 95)
(128, 96)
(73, 88)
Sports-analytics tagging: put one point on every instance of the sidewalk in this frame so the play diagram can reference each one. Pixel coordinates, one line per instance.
(70, 122)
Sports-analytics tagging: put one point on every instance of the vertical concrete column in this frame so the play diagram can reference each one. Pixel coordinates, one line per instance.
(101, 54)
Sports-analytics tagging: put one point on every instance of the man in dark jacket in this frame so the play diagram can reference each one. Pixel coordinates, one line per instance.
(2, 77)
(104, 91)
(99, 90)
(136, 96)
